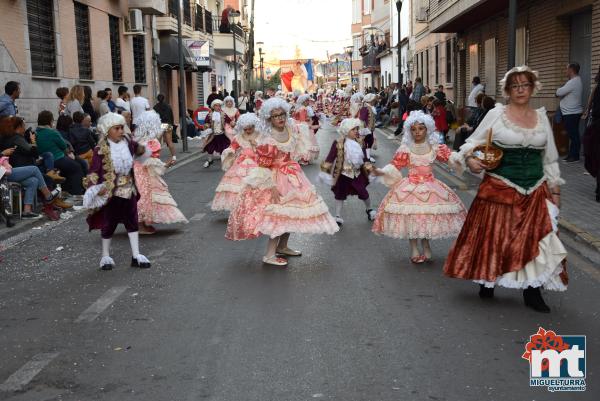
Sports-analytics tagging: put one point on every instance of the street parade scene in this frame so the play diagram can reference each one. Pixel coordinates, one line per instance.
(299, 200)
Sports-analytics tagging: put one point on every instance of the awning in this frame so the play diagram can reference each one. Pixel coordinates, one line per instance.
(461, 16)
(169, 55)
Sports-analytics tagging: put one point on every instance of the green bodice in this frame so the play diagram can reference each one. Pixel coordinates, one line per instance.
(521, 166)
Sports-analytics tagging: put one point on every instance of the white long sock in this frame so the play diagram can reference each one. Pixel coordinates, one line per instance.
(339, 205)
(134, 241)
(368, 151)
(367, 203)
(106, 246)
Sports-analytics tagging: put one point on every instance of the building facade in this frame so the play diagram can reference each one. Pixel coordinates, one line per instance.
(46, 44)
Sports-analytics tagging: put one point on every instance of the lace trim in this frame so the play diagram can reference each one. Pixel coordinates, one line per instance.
(420, 208)
(516, 187)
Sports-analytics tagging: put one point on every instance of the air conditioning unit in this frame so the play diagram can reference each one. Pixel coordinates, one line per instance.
(422, 14)
(134, 22)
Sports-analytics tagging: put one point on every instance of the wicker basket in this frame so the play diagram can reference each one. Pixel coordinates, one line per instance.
(488, 154)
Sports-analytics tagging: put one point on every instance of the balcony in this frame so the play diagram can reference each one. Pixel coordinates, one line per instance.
(461, 15)
(168, 22)
(370, 61)
(223, 38)
(152, 7)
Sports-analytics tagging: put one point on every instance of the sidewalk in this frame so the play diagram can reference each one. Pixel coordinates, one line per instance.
(580, 213)
(21, 227)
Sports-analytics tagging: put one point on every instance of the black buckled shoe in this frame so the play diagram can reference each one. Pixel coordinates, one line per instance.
(141, 262)
(533, 299)
(486, 292)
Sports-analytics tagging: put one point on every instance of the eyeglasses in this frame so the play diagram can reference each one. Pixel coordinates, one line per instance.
(279, 116)
(517, 87)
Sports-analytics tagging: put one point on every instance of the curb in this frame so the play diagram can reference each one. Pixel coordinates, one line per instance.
(25, 230)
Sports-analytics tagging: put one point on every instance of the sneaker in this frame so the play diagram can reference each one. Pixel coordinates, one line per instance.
(371, 214)
(372, 160)
(339, 221)
(55, 176)
(49, 211)
(30, 215)
(207, 163)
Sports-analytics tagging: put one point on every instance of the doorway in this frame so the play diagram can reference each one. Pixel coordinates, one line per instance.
(581, 49)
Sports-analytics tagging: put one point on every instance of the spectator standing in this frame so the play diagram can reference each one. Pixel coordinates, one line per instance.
(440, 95)
(571, 108)
(243, 102)
(103, 106)
(224, 26)
(213, 95)
(12, 91)
(81, 137)
(418, 91)
(50, 140)
(409, 89)
(591, 139)
(88, 106)
(477, 89)
(62, 94)
(139, 104)
(122, 102)
(109, 101)
(75, 100)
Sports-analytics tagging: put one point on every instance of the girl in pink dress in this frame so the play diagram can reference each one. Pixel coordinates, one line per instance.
(230, 116)
(277, 198)
(304, 121)
(236, 160)
(418, 207)
(156, 205)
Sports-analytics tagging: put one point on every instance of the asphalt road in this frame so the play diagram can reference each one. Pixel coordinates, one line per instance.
(350, 320)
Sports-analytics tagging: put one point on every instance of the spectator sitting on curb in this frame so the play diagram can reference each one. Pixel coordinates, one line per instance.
(81, 137)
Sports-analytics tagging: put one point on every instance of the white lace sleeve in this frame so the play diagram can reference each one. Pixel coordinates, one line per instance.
(551, 168)
(479, 137)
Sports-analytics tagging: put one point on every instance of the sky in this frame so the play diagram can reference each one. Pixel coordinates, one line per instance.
(315, 26)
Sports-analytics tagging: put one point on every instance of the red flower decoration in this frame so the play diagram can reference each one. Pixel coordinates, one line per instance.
(544, 340)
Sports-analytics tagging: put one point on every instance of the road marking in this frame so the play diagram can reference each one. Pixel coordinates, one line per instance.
(100, 305)
(23, 376)
(197, 217)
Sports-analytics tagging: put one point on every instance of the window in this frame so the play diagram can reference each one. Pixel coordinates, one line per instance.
(449, 58)
(356, 14)
(42, 46)
(139, 58)
(521, 46)
(82, 31)
(474, 60)
(426, 65)
(187, 12)
(367, 7)
(417, 64)
(437, 66)
(490, 66)
(357, 45)
(115, 48)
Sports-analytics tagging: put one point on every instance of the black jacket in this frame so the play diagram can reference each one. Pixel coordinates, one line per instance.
(25, 153)
(81, 138)
(165, 112)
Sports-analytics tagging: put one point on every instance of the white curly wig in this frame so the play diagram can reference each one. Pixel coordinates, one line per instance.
(357, 97)
(229, 99)
(215, 103)
(537, 85)
(279, 93)
(269, 105)
(418, 117)
(147, 126)
(109, 120)
(320, 91)
(246, 120)
(302, 99)
(370, 97)
(347, 124)
(258, 94)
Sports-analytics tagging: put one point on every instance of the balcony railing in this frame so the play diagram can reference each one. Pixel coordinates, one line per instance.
(187, 12)
(199, 19)
(236, 28)
(370, 59)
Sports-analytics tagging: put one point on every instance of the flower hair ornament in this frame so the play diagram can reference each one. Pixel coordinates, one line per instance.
(537, 85)
(419, 117)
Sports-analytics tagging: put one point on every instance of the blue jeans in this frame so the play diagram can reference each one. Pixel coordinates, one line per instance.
(572, 127)
(48, 159)
(30, 178)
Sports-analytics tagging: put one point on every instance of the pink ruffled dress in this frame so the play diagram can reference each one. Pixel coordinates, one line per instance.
(156, 205)
(277, 197)
(303, 120)
(418, 206)
(237, 160)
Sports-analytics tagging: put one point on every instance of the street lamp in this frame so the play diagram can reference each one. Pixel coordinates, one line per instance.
(260, 54)
(233, 16)
(349, 51)
(182, 111)
(400, 78)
